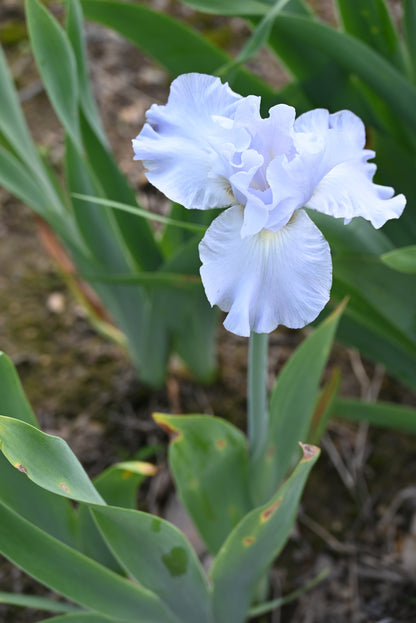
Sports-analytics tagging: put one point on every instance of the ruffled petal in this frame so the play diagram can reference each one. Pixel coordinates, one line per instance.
(267, 279)
(347, 191)
(341, 178)
(183, 143)
(292, 184)
(340, 136)
(274, 135)
(324, 141)
(314, 121)
(260, 194)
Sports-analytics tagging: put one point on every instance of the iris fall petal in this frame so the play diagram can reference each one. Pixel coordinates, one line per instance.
(269, 278)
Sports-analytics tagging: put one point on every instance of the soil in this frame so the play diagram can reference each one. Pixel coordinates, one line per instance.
(358, 514)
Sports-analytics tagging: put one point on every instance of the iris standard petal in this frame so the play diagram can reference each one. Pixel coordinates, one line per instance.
(269, 278)
(342, 178)
(182, 142)
(325, 141)
(347, 191)
(342, 134)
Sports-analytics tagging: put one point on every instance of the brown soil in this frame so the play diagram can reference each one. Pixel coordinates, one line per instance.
(358, 515)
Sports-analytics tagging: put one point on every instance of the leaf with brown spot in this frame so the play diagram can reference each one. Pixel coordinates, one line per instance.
(266, 514)
(76, 576)
(292, 404)
(159, 558)
(48, 461)
(162, 420)
(243, 559)
(21, 468)
(309, 451)
(209, 461)
(324, 407)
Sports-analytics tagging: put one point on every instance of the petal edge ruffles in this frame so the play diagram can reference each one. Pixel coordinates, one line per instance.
(348, 191)
(182, 142)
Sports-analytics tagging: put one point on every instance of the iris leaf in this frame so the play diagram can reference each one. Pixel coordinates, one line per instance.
(402, 260)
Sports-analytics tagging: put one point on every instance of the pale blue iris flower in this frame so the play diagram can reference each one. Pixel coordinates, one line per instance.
(263, 259)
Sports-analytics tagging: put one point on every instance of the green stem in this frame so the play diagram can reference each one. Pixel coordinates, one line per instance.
(257, 393)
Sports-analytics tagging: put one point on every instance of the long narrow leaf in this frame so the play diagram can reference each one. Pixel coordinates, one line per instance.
(195, 337)
(355, 57)
(403, 260)
(386, 415)
(158, 34)
(321, 81)
(96, 226)
(82, 617)
(74, 29)
(231, 7)
(389, 293)
(15, 177)
(13, 401)
(324, 406)
(371, 23)
(174, 238)
(358, 237)
(409, 25)
(287, 599)
(256, 40)
(302, 61)
(75, 576)
(130, 306)
(131, 209)
(12, 122)
(56, 63)
(40, 603)
(357, 329)
(160, 278)
(376, 332)
(254, 543)
(135, 234)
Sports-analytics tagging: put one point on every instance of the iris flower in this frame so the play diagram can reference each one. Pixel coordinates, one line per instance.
(263, 259)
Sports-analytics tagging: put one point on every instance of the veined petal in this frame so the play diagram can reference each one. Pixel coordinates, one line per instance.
(347, 191)
(182, 142)
(269, 278)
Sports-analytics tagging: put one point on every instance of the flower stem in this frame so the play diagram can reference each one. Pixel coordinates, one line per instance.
(257, 393)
